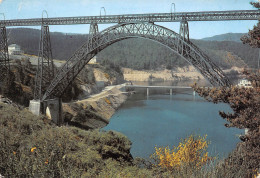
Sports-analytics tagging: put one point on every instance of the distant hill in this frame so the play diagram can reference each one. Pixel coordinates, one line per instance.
(139, 53)
(225, 37)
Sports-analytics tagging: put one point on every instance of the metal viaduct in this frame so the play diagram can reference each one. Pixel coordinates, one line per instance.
(50, 85)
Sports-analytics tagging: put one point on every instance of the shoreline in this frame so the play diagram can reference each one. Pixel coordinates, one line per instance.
(104, 104)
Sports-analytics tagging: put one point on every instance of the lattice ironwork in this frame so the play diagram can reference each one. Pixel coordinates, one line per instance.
(119, 32)
(4, 56)
(184, 30)
(45, 70)
(93, 31)
(137, 18)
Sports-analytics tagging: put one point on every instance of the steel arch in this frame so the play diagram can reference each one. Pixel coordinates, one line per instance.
(162, 35)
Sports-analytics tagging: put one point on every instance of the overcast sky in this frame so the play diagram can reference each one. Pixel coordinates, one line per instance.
(20, 9)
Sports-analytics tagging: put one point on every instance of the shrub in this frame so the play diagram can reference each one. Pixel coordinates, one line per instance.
(191, 151)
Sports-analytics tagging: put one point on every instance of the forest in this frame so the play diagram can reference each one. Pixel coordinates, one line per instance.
(139, 53)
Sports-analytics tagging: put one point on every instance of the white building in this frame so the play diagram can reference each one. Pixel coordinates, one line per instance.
(244, 83)
(93, 60)
(14, 49)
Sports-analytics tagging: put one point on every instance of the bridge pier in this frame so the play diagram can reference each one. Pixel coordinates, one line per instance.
(147, 91)
(52, 108)
(171, 91)
(4, 59)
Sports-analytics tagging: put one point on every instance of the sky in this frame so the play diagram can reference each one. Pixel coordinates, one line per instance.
(23, 9)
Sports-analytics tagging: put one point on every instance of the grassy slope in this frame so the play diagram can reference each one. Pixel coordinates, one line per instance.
(31, 147)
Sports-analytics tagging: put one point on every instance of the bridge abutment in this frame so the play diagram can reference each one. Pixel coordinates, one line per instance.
(35, 107)
(52, 108)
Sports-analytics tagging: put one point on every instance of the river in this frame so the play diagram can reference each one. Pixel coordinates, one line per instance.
(163, 120)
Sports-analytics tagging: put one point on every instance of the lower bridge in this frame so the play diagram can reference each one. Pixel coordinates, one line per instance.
(157, 87)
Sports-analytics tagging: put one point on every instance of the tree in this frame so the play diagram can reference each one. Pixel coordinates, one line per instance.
(253, 36)
(245, 102)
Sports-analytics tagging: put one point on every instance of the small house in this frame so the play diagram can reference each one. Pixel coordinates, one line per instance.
(93, 60)
(244, 83)
(14, 49)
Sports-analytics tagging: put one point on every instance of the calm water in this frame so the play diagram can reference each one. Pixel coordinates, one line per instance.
(162, 120)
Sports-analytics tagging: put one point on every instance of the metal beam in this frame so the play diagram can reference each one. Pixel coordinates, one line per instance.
(184, 30)
(4, 56)
(111, 35)
(137, 18)
(45, 70)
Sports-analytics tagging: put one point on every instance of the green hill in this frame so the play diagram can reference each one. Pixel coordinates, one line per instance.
(139, 53)
(225, 37)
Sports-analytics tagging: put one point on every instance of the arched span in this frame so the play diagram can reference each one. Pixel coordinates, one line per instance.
(162, 35)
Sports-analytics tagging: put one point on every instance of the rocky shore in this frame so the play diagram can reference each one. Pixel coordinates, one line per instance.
(103, 104)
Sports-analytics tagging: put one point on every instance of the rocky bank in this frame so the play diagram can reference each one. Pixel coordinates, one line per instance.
(100, 107)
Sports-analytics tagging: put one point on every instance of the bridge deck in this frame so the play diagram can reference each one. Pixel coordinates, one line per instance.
(164, 87)
(135, 18)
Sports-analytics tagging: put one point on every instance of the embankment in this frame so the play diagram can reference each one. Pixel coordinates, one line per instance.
(98, 107)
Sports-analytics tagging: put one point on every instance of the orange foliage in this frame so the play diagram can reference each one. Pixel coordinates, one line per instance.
(191, 151)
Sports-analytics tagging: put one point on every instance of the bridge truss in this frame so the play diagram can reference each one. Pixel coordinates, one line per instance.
(45, 68)
(129, 26)
(107, 37)
(4, 56)
(137, 18)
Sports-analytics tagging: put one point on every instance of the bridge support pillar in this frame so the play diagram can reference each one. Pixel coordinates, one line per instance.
(93, 30)
(184, 30)
(45, 70)
(52, 108)
(171, 91)
(4, 56)
(35, 107)
(147, 91)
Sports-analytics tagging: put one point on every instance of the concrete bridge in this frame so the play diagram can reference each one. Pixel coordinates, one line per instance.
(49, 86)
(147, 87)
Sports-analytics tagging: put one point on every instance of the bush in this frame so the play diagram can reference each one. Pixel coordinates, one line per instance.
(30, 147)
(191, 152)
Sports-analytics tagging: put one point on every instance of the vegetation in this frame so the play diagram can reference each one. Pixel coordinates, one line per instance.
(19, 86)
(191, 152)
(31, 146)
(245, 104)
(136, 53)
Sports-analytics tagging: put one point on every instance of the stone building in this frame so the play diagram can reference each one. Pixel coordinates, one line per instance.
(14, 49)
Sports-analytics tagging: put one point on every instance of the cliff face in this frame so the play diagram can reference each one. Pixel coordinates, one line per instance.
(94, 78)
(98, 100)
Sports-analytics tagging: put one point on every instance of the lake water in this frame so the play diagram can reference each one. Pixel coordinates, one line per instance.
(162, 120)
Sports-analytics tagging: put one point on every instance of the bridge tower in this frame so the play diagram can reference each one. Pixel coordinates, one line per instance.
(45, 69)
(184, 33)
(184, 30)
(93, 30)
(45, 73)
(4, 56)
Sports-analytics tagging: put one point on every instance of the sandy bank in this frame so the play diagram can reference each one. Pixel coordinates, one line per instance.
(104, 103)
(185, 73)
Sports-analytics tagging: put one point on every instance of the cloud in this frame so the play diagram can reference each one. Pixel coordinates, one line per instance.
(1, 1)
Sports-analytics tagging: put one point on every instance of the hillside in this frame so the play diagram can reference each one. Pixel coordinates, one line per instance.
(226, 37)
(139, 53)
